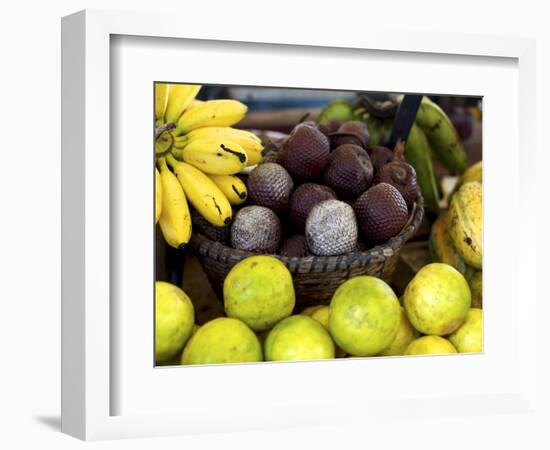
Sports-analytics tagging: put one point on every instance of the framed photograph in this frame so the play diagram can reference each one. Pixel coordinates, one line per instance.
(265, 230)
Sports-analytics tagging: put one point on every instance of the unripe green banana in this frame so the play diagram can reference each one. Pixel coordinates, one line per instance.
(417, 154)
(465, 223)
(442, 136)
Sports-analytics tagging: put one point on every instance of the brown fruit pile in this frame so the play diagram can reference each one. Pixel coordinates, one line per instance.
(326, 192)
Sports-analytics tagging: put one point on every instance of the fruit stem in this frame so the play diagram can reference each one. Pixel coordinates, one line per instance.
(163, 128)
(172, 162)
(399, 149)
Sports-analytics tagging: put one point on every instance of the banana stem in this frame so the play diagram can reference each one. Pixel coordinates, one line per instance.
(172, 162)
(163, 128)
(161, 161)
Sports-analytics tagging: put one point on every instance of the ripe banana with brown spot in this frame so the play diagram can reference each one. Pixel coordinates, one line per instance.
(251, 144)
(465, 223)
(180, 97)
(175, 219)
(212, 113)
(202, 192)
(442, 136)
(232, 187)
(214, 156)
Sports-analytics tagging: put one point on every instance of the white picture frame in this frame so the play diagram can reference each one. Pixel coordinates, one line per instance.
(89, 328)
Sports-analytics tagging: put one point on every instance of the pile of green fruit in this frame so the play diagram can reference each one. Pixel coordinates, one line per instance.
(432, 137)
(364, 318)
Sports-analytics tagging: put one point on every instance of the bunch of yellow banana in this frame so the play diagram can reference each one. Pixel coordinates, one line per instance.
(198, 155)
(456, 235)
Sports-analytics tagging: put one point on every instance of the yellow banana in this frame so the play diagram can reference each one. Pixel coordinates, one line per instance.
(212, 113)
(442, 249)
(161, 99)
(232, 187)
(202, 192)
(442, 136)
(218, 156)
(252, 146)
(465, 223)
(211, 132)
(175, 219)
(180, 97)
(158, 195)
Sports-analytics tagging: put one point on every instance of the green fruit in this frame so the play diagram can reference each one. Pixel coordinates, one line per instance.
(437, 299)
(405, 335)
(430, 345)
(468, 338)
(337, 109)
(476, 288)
(296, 338)
(174, 320)
(222, 340)
(259, 291)
(320, 314)
(364, 316)
(310, 309)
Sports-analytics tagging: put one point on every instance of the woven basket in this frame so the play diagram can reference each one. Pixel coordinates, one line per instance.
(315, 277)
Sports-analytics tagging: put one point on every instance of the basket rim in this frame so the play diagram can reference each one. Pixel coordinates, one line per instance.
(378, 253)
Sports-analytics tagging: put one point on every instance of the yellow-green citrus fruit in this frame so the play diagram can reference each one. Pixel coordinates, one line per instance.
(437, 299)
(259, 291)
(468, 338)
(476, 288)
(174, 320)
(405, 335)
(222, 340)
(309, 310)
(296, 338)
(430, 345)
(364, 316)
(320, 314)
(195, 329)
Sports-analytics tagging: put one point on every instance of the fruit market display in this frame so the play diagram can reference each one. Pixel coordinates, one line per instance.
(330, 188)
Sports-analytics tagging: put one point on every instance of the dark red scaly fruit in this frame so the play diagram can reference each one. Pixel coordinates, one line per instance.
(302, 201)
(306, 152)
(379, 156)
(381, 213)
(349, 171)
(295, 245)
(352, 132)
(270, 185)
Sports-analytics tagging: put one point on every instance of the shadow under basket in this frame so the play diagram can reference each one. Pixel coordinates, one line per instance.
(315, 277)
